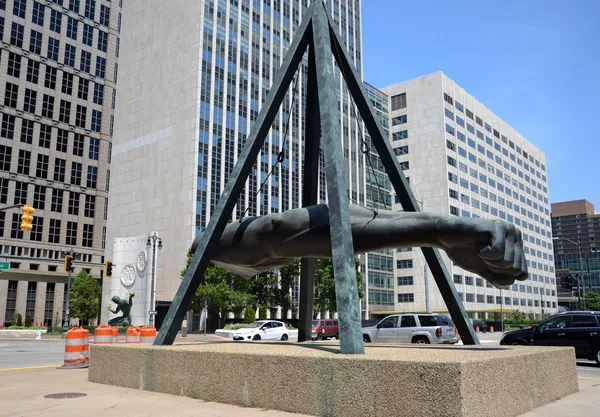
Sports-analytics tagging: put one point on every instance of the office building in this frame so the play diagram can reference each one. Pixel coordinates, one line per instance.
(193, 77)
(462, 159)
(576, 228)
(58, 69)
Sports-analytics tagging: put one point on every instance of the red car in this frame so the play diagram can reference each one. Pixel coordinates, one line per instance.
(323, 329)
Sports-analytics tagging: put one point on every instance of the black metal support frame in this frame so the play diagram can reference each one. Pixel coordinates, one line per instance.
(319, 35)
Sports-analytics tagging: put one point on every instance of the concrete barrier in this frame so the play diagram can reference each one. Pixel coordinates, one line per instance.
(6, 333)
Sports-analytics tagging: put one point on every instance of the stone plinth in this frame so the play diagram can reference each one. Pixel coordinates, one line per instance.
(315, 379)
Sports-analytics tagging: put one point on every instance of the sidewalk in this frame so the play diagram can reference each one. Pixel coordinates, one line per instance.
(23, 395)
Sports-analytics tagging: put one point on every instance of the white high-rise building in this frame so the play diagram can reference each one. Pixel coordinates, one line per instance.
(193, 77)
(58, 71)
(462, 159)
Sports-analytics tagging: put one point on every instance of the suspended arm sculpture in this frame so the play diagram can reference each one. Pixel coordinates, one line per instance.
(492, 249)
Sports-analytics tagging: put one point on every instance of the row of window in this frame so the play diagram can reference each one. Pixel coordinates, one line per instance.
(39, 11)
(489, 129)
(52, 234)
(65, 110)
(45, 133)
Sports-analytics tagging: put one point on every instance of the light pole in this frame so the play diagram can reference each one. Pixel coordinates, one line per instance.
(156, 243)
(580, 281)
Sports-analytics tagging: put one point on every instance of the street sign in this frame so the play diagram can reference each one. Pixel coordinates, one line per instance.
(4, 266)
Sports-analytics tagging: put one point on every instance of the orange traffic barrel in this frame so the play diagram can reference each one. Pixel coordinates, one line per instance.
(147, 334)
(133, 335)
(491, 329)
(103, 335)
(77, 349)
(115, 334)
(477, 329)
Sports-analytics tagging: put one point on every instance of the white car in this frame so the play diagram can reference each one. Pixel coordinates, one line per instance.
(263, 330)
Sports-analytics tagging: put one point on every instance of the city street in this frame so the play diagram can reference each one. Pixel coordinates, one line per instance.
(30, 353)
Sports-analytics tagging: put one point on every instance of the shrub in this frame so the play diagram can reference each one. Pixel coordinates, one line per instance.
(262, 313)
(249, 315)
(234, 326)
(17, 320)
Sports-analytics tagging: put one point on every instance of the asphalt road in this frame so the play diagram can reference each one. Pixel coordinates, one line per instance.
(31, 353)
(26, 353)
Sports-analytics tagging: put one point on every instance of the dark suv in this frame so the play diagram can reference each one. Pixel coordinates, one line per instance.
(580, 329)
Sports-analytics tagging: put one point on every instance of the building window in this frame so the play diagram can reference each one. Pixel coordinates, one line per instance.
(83, 89)
(90, 206)
(48, 106)
(30, 102)
(80, 117)
(94, 148)
(451, 161)
(448, 99)
(16, 35)
(57, 200)
(92, 176)
(88, 235)
(5, 158)
(14, 65)
(55, 20)
(37, 16)
(396, 121)
(4, 193)
(64, 114)
(78, 144)
(406, 298)
(42, 166)
(54, 231)
(90, 9)
(88, 35)
(72, 28)
(71, 237)
(399, 102)
(53, 47)
(100, 67)
(454, 211)
(11, 301)
(102, 41)
(37, 228)
(457, 279)
(8, 126)
(402, 150)
(69, 56)
(98, 93)
(62, 140)
(468, 280)
(50, 77)
(35, 42)
(33, 71)
(49, 304)
(479, 282)
(104, 15)
(85, 62)
(404, 264)
(403, 134)
(59, 169)
(407, 280)
(96, 120)
(27, 131)
(470, 297)
(11, 95)
(73, 203)
(20, 192)
(74, 5)
(15, 231)
(24, 162)
(76, 169)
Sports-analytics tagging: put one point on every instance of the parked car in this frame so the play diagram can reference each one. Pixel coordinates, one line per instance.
(412, 328)
(263, 330)
(324, 329)
(580, 329)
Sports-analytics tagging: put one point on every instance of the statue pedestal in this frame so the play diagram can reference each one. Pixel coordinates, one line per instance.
(315, 379)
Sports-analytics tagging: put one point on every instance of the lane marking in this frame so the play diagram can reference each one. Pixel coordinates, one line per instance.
(28, 368)
(588, 378)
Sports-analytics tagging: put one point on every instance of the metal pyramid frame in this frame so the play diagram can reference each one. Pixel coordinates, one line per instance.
(319, 35)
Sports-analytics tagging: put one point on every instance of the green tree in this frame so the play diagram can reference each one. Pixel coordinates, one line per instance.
(85, 297)
(249, 315)
(325, 299)
(287, 274)
(264, 289)
(592, 301)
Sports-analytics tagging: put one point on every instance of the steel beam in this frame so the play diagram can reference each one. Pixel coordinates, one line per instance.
(212, 234)
(344, 270)
(312, 139)
(400, 184)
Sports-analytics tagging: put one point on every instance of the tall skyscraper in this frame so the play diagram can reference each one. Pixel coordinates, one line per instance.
(575, 227)
(58, 69)
(462, 159)
(193, 77)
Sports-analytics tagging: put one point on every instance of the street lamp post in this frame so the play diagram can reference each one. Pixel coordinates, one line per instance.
(155, 242)
(66, 320)
(580, 281)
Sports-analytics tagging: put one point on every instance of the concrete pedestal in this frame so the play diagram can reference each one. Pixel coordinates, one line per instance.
(315, 379)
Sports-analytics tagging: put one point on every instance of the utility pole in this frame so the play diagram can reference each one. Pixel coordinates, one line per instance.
(155, 242)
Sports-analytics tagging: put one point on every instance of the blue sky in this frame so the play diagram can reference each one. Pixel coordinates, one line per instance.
(536, 64)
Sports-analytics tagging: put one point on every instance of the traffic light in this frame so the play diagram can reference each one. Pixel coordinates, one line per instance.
(108, 271)
(69, 263)
(26, 218)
